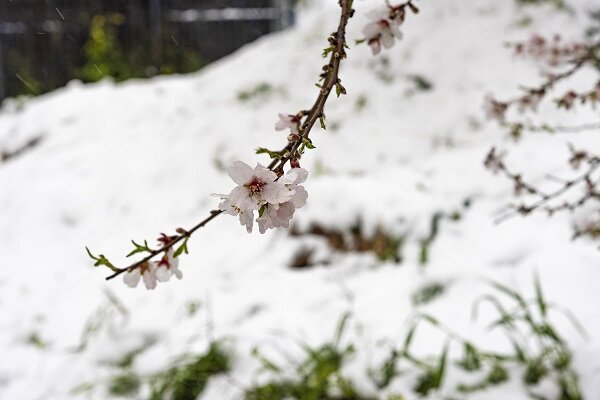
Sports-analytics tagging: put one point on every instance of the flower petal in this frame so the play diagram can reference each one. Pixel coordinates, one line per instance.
(276, 193)
(295, 176)
(240, 172)
(300, 196)
(387, 38)
(264, 174)
(242, 199)
(247, 220)
(375, 45)
(178, 274)
(285, 121)
(163, 274)
(149, 279)
(395, 31)
(132, 278)
(371, 30)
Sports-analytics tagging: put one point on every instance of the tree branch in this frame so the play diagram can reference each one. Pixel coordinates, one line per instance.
(338, 41)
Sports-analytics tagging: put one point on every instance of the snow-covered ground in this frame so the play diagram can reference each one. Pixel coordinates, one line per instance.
(128, 161)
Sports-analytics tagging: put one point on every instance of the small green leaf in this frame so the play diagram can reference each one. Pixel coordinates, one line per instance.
(267, 364)
(339, 331)
(140, 248)
(497, 375)
(441, 370)
(539, 296)
(327, 51)
(339, 89)
(322, 121)
(433, 321)
(471, 360)
(409, 337)
(181, 249)
(308, 143)
(101, 260)
(262, 210)
(272, 154)
(535, 371)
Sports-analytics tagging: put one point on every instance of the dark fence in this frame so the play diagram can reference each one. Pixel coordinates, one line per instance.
(45, 43)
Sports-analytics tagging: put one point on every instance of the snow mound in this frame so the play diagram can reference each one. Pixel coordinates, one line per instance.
(117, 162)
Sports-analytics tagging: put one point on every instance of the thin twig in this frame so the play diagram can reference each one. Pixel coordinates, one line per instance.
(544, 199)
(289, 151)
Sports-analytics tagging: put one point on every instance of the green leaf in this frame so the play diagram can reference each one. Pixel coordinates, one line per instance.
(506, 316)
(262, 210)
(548, 331)
(572, 319)
(272, 154)
(308, 143)
(327, 51)
(539, 296)
(140, 248)
(441, 369)
(101, 260)
(267, 364)
(322, 121)
(471, 360)
(433, 321)
(339, 89)
(409, 336)
(535, 371)
(339, 331)
(519, 352)
(181, 249)
(497, 375)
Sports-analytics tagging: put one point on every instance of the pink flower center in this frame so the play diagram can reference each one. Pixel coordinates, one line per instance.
(145, 267)
(164, 262)
(383, 24)
(256, 185)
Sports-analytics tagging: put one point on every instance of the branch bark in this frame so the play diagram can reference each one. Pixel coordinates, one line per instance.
(338, 40)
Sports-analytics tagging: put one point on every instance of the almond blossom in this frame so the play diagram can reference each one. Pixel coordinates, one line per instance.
(145, 271)
(383, 28)
(260, 189)
(279, 215)
(169, 264)
(246, 216)
(167, 267)
(288, 121)
(256, 187)
(152, 272)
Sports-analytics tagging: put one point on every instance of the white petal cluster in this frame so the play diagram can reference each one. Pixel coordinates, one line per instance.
(383, 28)
(288, 121)
(259, 189)
(152, 272)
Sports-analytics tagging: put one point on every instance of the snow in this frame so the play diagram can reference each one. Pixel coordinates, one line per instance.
(128, 161)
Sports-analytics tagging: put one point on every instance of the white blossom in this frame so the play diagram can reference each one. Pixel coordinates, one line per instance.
(167, 267)
(146, 271)
(279, 215)
(256, 187)
(383, 29)
(288, 121)
(276, 216)
(259, 189)
(246, 217)
(152, 272)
